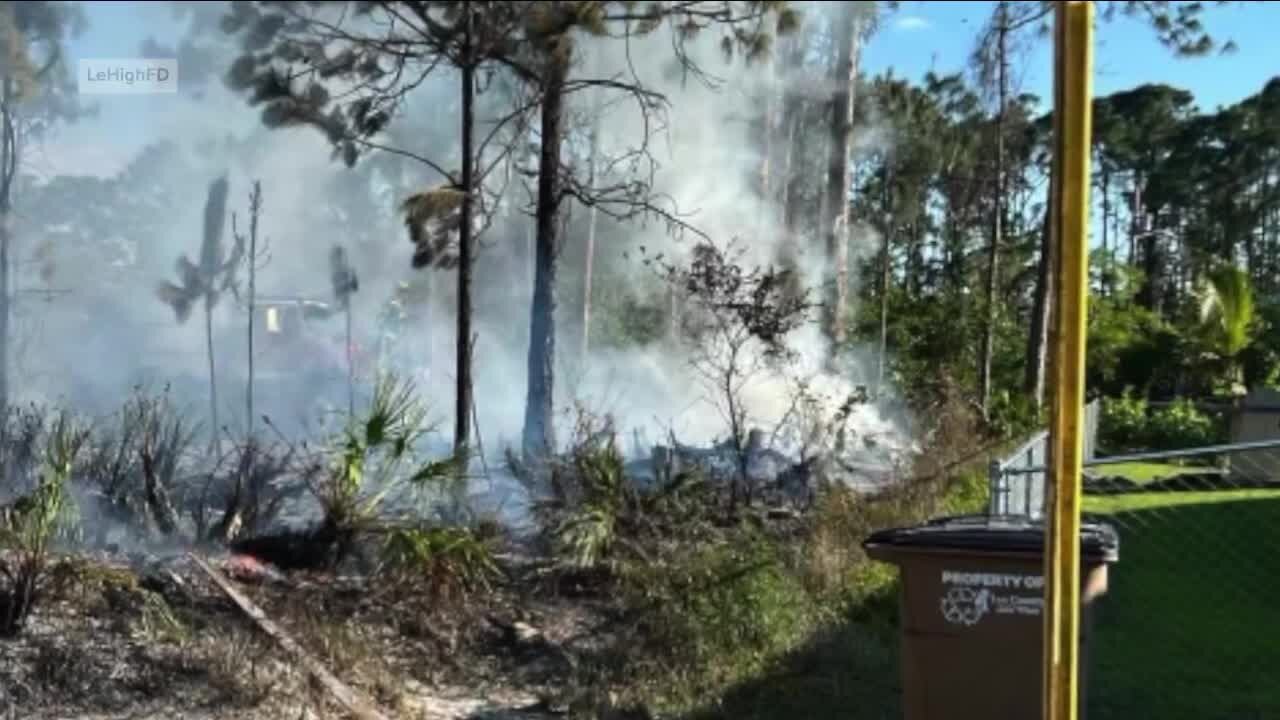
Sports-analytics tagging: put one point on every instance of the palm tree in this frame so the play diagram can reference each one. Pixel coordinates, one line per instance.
(1227, 313)
(214, 275)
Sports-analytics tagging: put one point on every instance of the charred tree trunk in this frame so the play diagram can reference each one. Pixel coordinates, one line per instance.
(539, 431)
(156, 493)
(844, 75)
(462, 392)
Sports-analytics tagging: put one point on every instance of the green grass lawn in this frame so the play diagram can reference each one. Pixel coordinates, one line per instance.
(1145, 472)
(1187, 632)
(1189, 628)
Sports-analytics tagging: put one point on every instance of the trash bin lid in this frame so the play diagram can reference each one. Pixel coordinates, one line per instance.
(1099, 540)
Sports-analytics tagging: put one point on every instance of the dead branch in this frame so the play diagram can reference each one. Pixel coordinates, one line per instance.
(356, 703)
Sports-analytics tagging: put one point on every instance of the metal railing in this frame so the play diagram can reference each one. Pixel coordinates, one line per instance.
(1018, 481)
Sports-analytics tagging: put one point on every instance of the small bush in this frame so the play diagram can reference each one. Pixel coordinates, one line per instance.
(30, 526)
(21, 431)
(1123, 425)
(1012, 415)
(1181, 425)
(598, 520)
(719, 615)
(374, 459)
(1128, 424)
(587, 533)
(135, 463)
(450, 562)
(245, 480)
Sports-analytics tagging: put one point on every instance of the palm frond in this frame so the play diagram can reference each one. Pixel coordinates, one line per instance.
(1227, 308)
(178, 298)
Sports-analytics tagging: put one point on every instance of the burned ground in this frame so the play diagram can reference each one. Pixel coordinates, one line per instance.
(201, 589)
(151, 637)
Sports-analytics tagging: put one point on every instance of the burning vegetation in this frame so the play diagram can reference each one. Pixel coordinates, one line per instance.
(377, 567)
(361, 557)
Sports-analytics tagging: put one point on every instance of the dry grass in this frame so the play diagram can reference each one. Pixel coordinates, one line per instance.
(105, 643)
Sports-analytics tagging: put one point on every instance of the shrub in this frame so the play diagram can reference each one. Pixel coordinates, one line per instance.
(1012, 415)
(1123, 424)
(374, 458)
(135, 462)
(449, 561)
(30, 526)
(243, 485)
(1129, 425)
(1181, 425)
(719, 615)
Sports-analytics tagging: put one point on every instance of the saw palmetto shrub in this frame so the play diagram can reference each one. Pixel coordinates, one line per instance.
(30, 527)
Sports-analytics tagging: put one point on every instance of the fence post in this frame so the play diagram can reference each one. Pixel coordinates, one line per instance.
(996, 481)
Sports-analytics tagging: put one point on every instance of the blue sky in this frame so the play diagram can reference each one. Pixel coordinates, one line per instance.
(917, 37)
(921, 35)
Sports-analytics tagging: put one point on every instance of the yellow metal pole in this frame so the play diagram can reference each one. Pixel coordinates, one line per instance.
(1073, 72)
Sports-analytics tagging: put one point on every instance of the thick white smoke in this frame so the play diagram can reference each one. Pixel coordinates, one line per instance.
(704, 159)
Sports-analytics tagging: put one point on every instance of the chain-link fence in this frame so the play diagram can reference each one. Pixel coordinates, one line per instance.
(1018, 481)
(1188, 628)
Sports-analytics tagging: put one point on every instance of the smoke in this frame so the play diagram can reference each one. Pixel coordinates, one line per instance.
(700, 156)
(705, 159)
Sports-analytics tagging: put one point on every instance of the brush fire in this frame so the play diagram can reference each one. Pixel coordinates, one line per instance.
(524, 442)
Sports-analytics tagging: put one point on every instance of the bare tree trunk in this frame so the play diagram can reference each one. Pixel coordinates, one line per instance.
(844, 75)
(539, 431)
(8, 168)
(213, 376)
(793, 114)
(351, 372)
(885, 277)
(1135, 211)
(1106, 220)
(1042, 307)
(254, 205)
(463, 401)
(766, 129)
(997, 224)
(673, 317)
(592, 218)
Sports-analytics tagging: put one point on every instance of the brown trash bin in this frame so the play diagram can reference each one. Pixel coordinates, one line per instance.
(972, 624)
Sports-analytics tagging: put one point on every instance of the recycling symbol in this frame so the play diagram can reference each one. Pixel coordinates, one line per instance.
(965, 606)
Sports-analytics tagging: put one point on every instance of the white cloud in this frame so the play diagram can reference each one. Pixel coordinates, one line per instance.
(911, 23)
